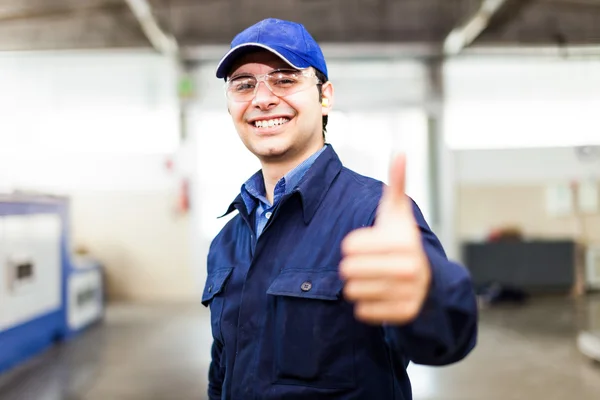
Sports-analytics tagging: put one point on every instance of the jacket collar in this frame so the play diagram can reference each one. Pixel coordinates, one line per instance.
(312, 188)
(317, 181)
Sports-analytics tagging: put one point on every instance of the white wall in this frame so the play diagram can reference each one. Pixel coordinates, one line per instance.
(99, 127)
(523, 166)
(92, 102)
(80, 172)
(521, 102)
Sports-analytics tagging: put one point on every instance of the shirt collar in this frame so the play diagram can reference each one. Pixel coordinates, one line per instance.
(312, 184)
(253, 190)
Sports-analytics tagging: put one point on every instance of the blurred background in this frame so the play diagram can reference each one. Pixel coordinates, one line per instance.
(117, 155)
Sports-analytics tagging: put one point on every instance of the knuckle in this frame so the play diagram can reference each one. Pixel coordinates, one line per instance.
(360, 311)
(412, 272)
(399, 273)
(406, 272)
(350, 291)
(344, 266)
(411, 269)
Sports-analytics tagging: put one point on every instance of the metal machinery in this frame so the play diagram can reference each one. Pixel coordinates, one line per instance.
(46, 295)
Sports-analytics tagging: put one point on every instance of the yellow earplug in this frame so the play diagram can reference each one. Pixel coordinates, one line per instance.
(325, 102)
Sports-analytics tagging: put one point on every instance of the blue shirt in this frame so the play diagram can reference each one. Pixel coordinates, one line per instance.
(281, 326)
(254, 193)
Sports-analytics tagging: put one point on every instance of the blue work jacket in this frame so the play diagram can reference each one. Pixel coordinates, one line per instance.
(281, 326)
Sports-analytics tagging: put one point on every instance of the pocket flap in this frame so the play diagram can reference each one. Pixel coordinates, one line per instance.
(214, 284)
(323, 285)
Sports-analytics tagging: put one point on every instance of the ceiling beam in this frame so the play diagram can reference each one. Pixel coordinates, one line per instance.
(466, 34)
(162, 41)
(493, 14)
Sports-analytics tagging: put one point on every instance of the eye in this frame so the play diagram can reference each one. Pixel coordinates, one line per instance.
(242, 84)
(285, 78)
(285, 82)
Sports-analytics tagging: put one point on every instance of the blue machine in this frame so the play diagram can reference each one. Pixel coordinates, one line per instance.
(45, 294)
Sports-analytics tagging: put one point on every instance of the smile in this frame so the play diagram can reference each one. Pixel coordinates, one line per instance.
(269, 123)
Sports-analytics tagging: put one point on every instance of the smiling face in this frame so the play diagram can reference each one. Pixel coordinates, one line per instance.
(278, 130)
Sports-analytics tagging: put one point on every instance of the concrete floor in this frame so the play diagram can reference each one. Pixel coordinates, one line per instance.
(146, 352)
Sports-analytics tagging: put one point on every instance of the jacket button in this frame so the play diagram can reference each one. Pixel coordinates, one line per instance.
(210, 289)
(306, 286)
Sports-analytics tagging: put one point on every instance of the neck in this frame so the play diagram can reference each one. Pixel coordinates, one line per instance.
(273, 170)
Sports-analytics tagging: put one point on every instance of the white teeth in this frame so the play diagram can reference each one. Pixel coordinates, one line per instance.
(270, 123)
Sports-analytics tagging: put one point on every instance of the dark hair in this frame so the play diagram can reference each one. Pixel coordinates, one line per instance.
(322, 79)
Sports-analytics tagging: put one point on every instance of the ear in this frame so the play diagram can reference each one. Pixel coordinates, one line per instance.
(328, 96)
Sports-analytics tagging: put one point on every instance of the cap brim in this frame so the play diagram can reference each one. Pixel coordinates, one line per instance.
(232, 55)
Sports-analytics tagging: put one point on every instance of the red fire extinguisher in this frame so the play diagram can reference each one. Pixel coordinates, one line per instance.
(184, 196)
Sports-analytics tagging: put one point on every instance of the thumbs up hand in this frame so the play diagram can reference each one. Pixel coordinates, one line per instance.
(385, 268)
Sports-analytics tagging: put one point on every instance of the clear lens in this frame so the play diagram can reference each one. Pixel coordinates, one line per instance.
(280, 82)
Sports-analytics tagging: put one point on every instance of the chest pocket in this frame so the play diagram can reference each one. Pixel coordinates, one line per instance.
(314, 343)
(213, 297)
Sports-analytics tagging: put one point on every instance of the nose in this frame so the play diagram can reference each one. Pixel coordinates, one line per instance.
(264, 99)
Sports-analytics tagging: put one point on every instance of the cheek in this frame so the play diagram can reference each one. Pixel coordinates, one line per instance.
(237, 113)
(305, 107)
(311, 114)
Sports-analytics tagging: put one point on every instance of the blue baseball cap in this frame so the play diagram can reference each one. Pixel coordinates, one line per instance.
(288, 40)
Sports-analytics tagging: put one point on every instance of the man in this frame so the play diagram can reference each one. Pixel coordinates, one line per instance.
(326, 284)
